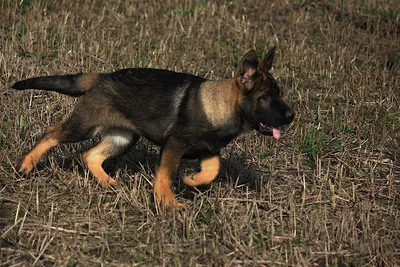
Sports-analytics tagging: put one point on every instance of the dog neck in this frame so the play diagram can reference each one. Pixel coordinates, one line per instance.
(220, 100)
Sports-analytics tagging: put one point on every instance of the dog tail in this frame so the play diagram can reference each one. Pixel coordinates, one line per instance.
(73, 85)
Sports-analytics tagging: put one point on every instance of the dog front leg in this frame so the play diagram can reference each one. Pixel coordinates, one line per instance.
(210, 167)
(171, 155)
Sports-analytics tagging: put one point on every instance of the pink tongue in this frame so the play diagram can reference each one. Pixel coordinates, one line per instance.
(276, 133)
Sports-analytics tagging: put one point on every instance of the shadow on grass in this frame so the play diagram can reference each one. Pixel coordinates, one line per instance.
(144, 158)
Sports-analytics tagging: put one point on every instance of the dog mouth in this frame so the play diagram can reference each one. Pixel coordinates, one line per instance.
(269, 130)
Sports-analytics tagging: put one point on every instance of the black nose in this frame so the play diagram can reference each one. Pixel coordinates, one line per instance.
(289, 115)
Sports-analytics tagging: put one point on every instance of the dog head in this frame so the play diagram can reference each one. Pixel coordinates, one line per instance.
(260, 99)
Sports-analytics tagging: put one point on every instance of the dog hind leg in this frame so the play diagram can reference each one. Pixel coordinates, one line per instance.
(70, 131)
(50, 139)
(113, 143)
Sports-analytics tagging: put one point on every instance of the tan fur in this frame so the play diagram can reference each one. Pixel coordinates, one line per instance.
(219, 100)
(94, 159)
(49, 140)
(86, 81)
(209, 171)
(114, 141)
(162, 188)
(166, 173)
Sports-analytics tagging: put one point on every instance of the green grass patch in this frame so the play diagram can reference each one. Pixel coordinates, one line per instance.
(313, 142)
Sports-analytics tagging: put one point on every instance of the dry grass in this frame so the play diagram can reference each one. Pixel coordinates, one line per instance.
(326, 194)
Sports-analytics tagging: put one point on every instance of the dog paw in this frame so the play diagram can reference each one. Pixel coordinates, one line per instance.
(165, 197)
(190, 180)
(199, 179)
(107, 181)
(25, 167)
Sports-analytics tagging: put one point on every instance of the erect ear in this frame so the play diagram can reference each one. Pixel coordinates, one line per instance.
(268, 61)
(247, 69)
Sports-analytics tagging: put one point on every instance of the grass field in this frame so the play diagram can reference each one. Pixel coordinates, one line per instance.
(327, 193)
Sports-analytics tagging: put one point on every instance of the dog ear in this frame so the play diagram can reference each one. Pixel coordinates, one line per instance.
(247, 69)
(268, 61)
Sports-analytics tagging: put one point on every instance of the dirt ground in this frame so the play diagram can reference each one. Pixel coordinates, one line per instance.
(325, 194)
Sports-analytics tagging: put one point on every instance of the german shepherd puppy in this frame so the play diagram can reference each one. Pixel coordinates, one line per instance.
(188, 116)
